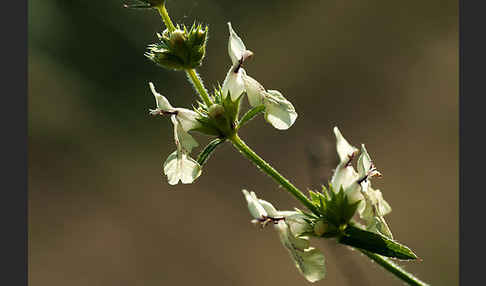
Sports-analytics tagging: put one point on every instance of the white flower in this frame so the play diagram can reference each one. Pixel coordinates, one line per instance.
(234, 81)
(278, 111)
(290, 225)
(374, 207)
(345, 176)
(179, 166)
(357, 185)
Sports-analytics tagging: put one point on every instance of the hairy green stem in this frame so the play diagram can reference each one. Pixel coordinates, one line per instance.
(199, 86)
(165, 17)
(393, 268)
(269, 170)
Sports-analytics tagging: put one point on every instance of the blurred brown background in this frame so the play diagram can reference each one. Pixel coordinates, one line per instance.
(101, 213)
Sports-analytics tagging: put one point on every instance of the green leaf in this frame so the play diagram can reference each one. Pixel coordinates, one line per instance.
(375, 243)
(249, 115)
(205, 154)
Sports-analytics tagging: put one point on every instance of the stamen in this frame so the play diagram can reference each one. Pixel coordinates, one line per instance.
(264, 220)
(169, 112)
(240, 63)
(362, 179)
(155, 112)
(246, 55)
(351, 157)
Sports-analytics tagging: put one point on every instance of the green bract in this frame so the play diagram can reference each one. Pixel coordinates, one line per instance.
(181, 49)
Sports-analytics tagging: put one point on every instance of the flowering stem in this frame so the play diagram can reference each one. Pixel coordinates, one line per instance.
(165, 17)
(199, 86)
(191, 73)
(394, 269)
(269, 170)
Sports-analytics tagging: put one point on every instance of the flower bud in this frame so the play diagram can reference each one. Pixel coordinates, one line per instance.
(320, 228)
(180, 49)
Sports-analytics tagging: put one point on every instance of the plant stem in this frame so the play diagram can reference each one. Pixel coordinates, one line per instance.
(269, 170)
(394, 269)
(199, 86)
(165, 17)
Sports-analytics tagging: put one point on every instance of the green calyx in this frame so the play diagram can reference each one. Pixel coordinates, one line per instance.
(221, 118)
(180, 49)
(335, 221)
(335, 212)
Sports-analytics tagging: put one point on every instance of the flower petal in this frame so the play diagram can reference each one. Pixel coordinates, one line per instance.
(269, 208)
(182, 138)
(344, 149)
(257, 211)
(254, 90)
(279, 111)
(234, 84)
(309, 261)
(296, 222)
(365, 164)
(383, 207)
(372, 211)
(189, 169)
(344, 176)
(170, 168)
(160, 100)
(236, 47)
(187, 118)
(379, 225)
(180, 167)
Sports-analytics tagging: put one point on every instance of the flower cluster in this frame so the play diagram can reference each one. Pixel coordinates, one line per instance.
(291, 227)
(335, 212)
(357, 186)
(279, 112)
